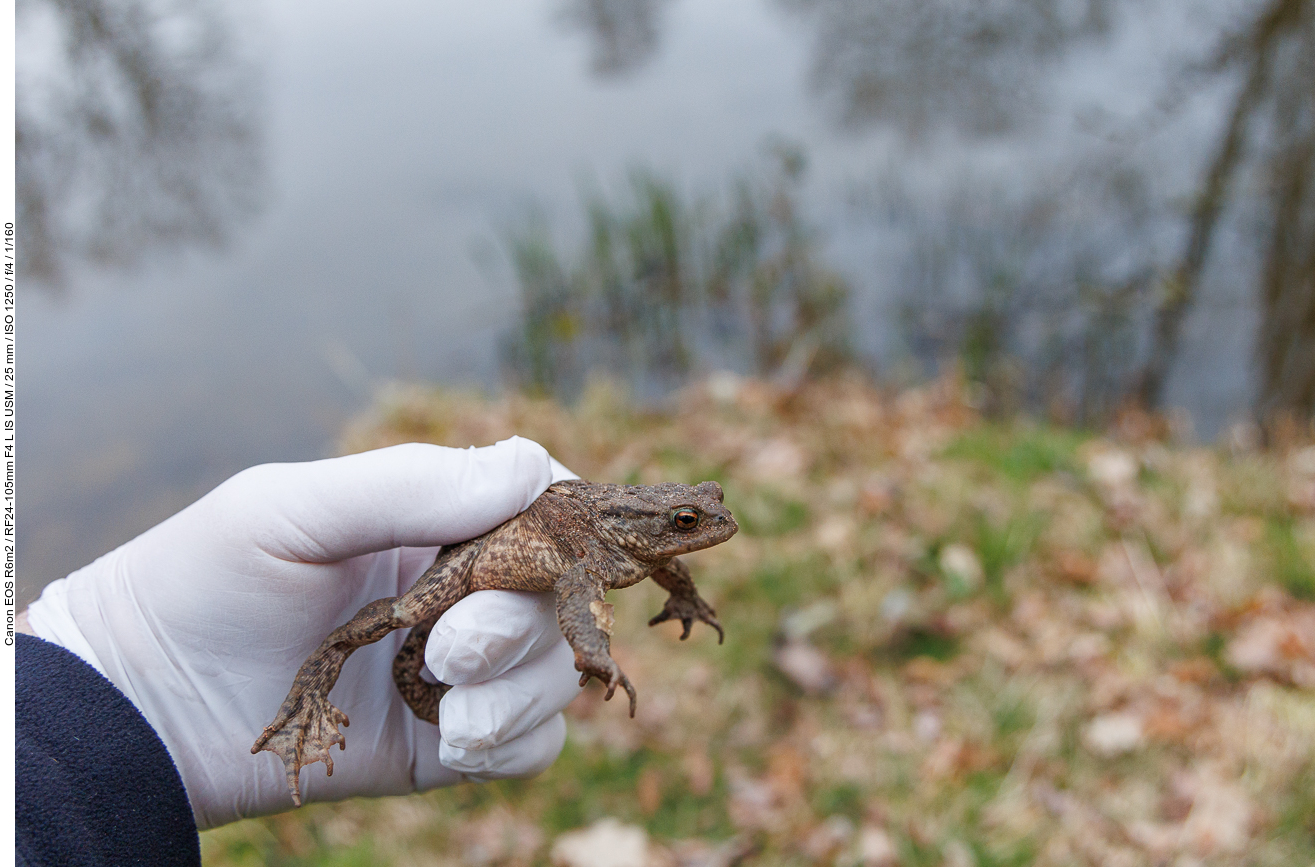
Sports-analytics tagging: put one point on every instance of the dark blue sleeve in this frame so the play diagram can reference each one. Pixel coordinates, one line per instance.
(94, 784)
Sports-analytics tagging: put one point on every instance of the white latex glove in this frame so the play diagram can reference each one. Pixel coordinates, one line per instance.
(203, 620)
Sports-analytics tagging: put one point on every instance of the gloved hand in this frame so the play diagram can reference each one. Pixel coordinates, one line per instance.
(203, 620)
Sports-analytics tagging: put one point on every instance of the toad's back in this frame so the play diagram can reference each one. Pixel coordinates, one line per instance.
(522, 554)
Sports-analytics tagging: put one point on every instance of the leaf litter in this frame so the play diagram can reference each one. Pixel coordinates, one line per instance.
(949, 641)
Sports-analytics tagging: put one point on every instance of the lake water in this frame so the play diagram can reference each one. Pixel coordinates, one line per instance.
(403, 138)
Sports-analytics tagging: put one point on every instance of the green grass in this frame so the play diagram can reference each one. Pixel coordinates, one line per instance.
(1213, 647)
(1296, 820)
(1291, 567)
(682, 815)
(789, 584)
(596, 780)
(589, 783)
(360, 855)
(1020, 455)
(685, 464)
(846, 799)
(766, 514)
(1017, 855)
(920, 641)
(919, 854)
(1012, 714)
(1002, 547)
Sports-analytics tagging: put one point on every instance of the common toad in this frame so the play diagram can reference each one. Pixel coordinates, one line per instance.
(579, 539)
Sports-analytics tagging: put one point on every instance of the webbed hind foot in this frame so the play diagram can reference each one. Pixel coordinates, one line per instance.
(304, 731)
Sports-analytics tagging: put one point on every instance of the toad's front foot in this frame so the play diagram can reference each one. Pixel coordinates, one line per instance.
(606, 670)
(687, 610)
(303, 732)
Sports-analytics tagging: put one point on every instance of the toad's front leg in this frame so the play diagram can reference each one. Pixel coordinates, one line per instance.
(684, 604)
(586, 621)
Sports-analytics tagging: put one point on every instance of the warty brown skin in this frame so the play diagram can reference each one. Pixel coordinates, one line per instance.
(579, 539)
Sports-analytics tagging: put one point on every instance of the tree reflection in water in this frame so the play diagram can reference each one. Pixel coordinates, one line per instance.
(1080, 290)
(623, 34)
(924, 64)
(137, 124)
(1267, 143)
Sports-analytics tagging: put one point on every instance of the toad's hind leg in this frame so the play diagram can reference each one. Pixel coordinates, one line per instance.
(419, 694)
(306, 726)
(445, 584)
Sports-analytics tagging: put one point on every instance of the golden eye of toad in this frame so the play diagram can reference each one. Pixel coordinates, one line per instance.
(685, 519)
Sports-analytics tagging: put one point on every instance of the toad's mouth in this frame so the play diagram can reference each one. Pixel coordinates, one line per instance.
(717, 529)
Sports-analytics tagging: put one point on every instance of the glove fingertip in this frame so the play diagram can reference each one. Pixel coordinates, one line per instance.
(527, 464)
(560, 472)
(526, 756)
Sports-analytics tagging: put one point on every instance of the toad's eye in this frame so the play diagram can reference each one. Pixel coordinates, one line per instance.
(685, 519)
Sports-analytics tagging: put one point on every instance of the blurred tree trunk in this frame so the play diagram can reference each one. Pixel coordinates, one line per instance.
(1278, 96)
(1285, 346)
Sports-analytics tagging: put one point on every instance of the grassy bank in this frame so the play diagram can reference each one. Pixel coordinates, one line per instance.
(948, 642)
